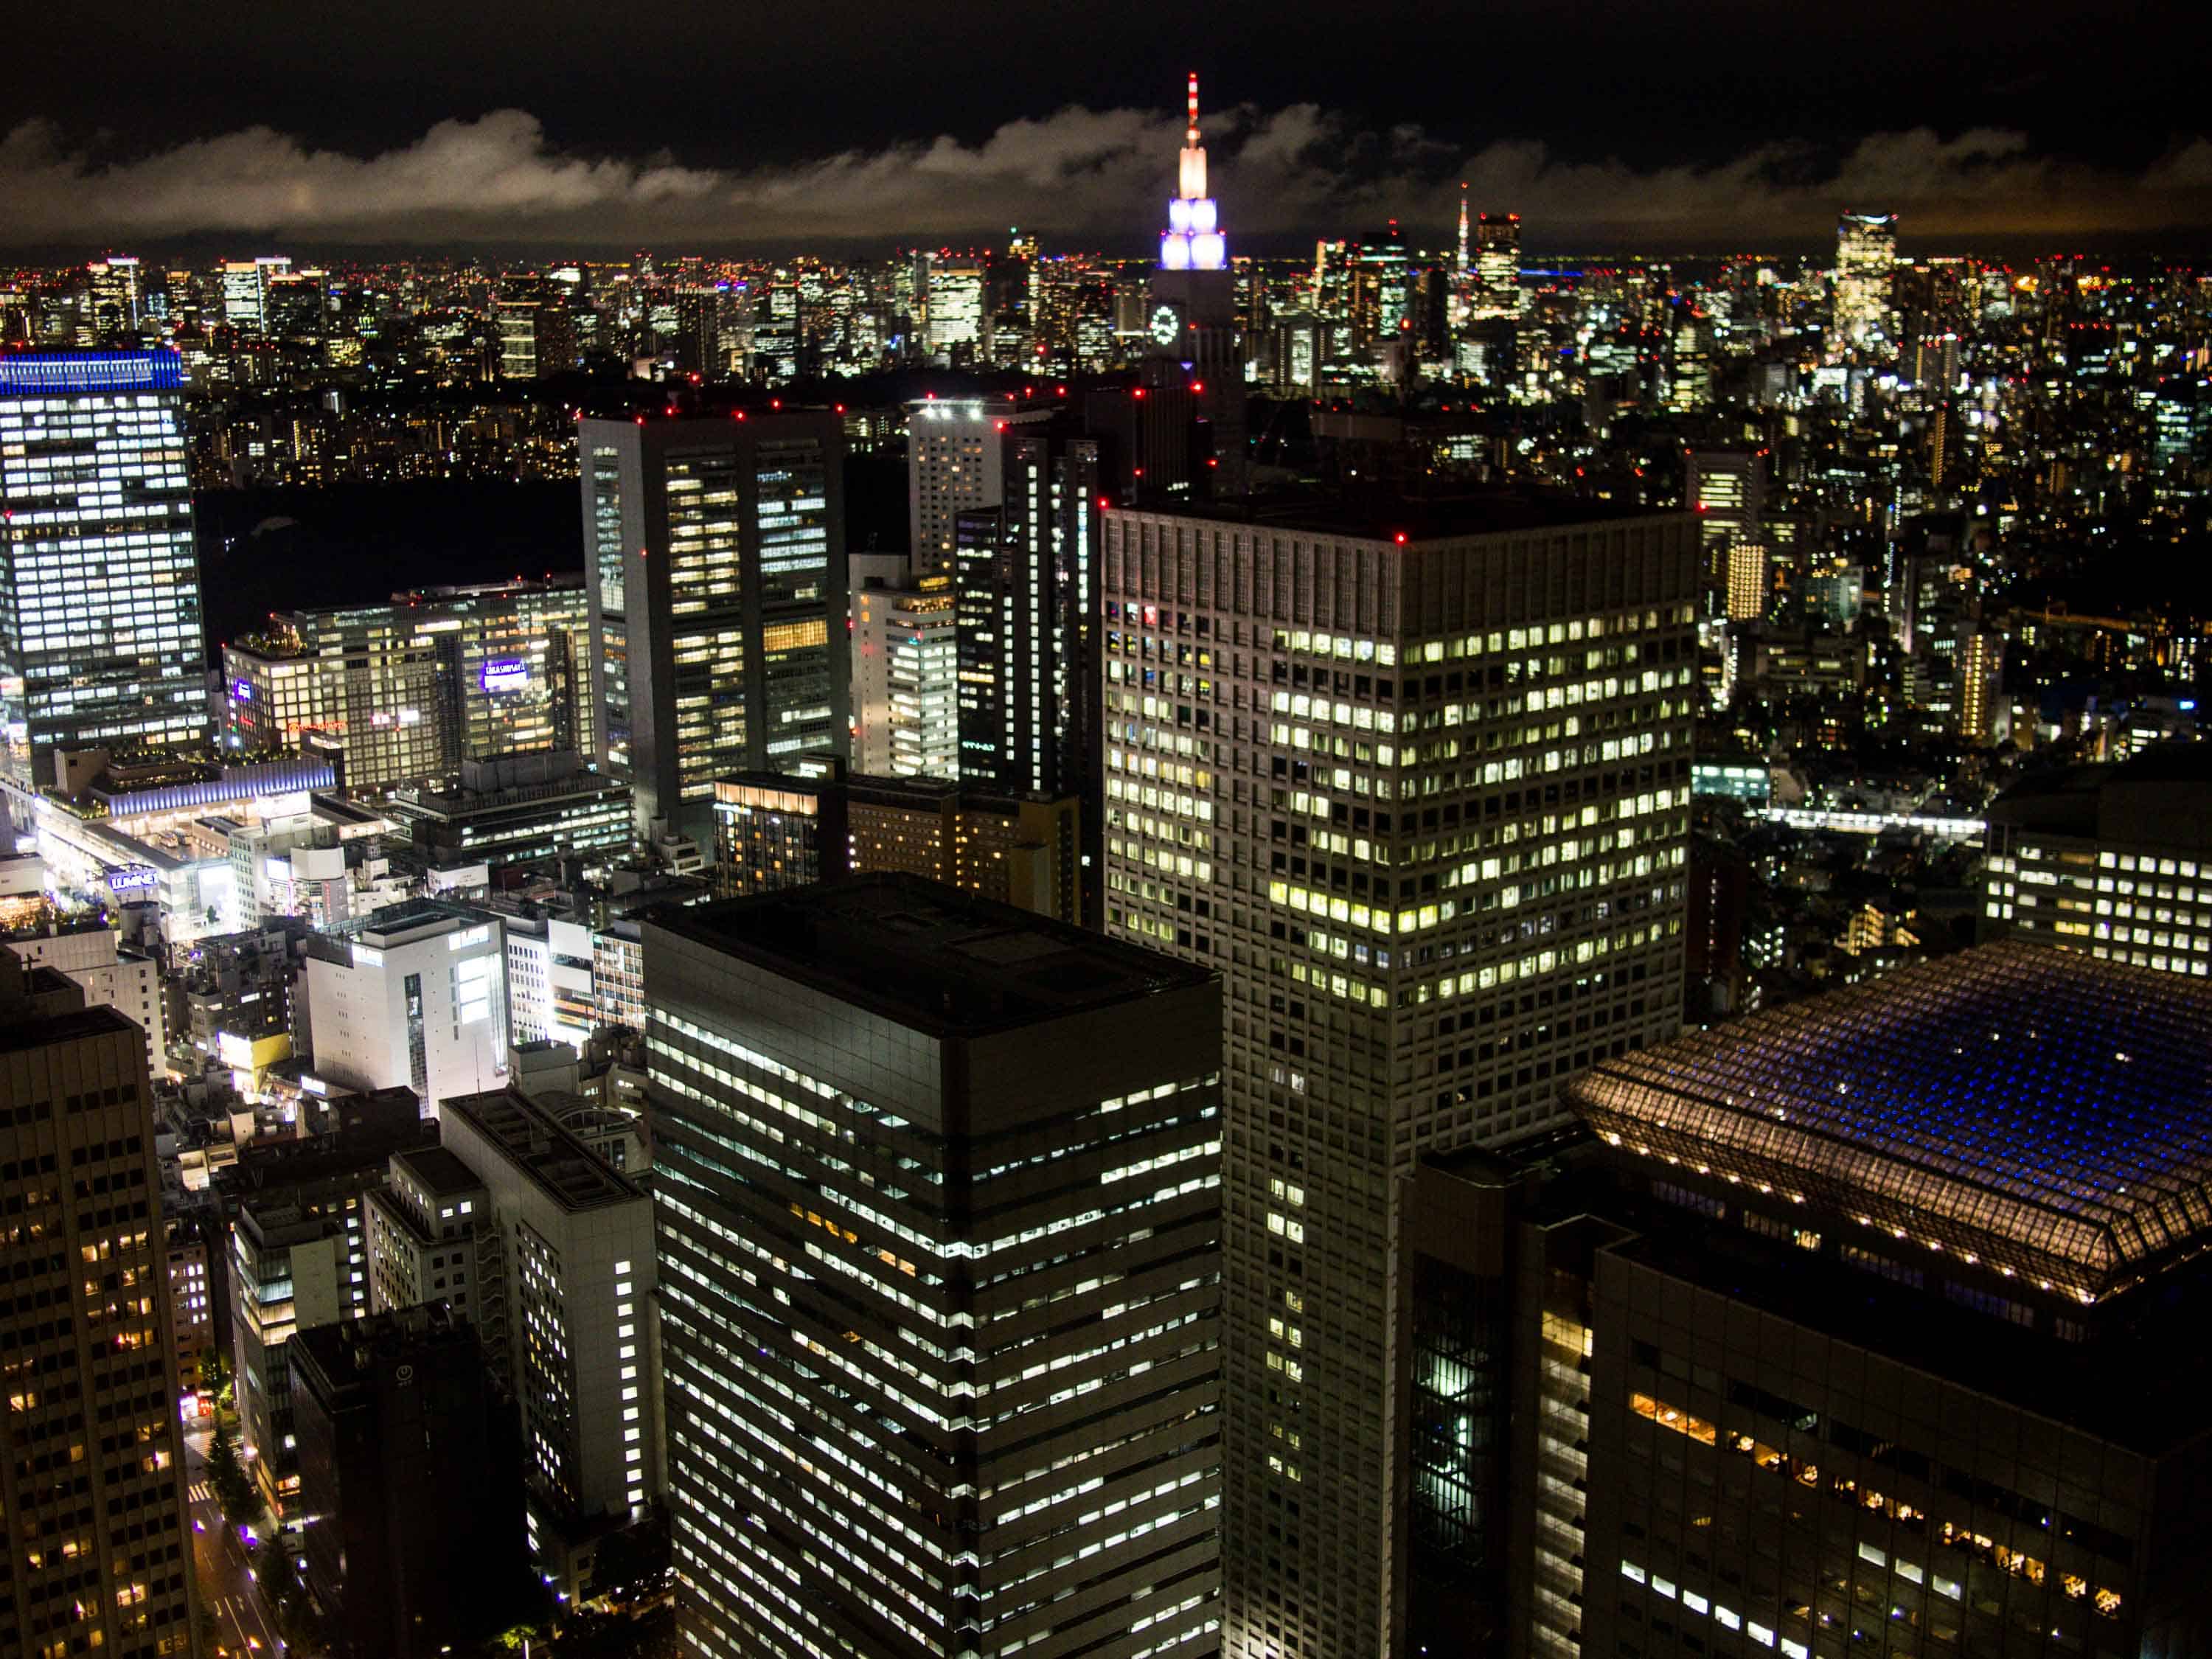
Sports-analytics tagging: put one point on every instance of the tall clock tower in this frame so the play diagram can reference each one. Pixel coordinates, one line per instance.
(1191, 328)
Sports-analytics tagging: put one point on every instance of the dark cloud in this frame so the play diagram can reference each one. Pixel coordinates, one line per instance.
(1088, 177)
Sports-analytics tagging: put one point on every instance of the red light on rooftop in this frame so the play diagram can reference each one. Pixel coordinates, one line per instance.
(841, 409)
(1060, 391)
(1138, 392)
(1198, 386)
(1001, 426)
(775, 402)
(1401, 539)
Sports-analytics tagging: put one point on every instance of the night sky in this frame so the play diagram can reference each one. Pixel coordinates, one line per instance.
(585, 124)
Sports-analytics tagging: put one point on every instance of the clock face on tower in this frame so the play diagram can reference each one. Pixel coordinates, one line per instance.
(1166, 325)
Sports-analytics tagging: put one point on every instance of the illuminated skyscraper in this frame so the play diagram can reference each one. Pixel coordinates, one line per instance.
(1417, 787)
(112, 302)
(906, 707)
(955, 306)
(954, 463)
(97, 1557)
(1192, 325)
(940, 1266)
(101, 637)
(1746, 582)
(1498, 265)
(716, 564)
(1866, 262)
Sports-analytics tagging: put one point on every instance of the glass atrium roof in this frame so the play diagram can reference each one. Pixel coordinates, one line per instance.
(2039, 1108)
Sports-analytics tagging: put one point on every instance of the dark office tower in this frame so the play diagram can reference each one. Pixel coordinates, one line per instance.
(97, 1553)
(411, 1477)
(1418, 784)
(100, 593)
(1907, 1353)
(1025, 591)
(699, 333)
(1190, 332)
(717, 574)
(939, 1271)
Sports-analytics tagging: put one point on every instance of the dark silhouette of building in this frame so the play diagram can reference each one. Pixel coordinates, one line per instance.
(411, 1484)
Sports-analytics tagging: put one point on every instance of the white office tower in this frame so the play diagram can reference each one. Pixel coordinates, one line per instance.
(906, 680)
(938, 1190)
(1418, 786)
(414, 996)
(564, 1270)
(954, 463)
(101, 638)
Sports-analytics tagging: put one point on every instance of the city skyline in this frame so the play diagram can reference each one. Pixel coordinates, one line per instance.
(549, 143)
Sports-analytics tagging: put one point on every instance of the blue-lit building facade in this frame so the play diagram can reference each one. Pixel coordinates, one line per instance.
(101, 634)
(1874, 1324)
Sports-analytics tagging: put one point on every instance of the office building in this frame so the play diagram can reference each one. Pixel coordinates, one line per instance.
(421, 1226)
(1726, 488)
(112, 302)
(1894, 1345)
(369, 700)
(1416, 782)
(297, 1261)
(516, 809)
(954, 463)
(716, 547)
(517, 680)
(97, 1557)
(550, 994)
(537, 336)
(957, 325)
(2114, 861)
(906, 668)
(413, 996)
(101, 642)
(1980, 655)
(191, 1305)
(244, 286)
(1866, 266)
(1026, 573)
(564, 1273)
(93, 958)
(298, 1248)
(952, 1388)
(410, 688)
(772, 832)
(1497, 268)
(1024, 850)
(1746, 582)
(1191, 323)
(409, 1474)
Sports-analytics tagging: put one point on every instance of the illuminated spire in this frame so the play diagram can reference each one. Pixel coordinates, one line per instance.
(1462, 227)
(1193, 239)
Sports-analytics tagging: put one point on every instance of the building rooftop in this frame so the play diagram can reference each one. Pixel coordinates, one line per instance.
(931, 956)
(440, 1171)
(2037, 1108)
(563, 1167)
(1383, 518)
(2162, 796)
